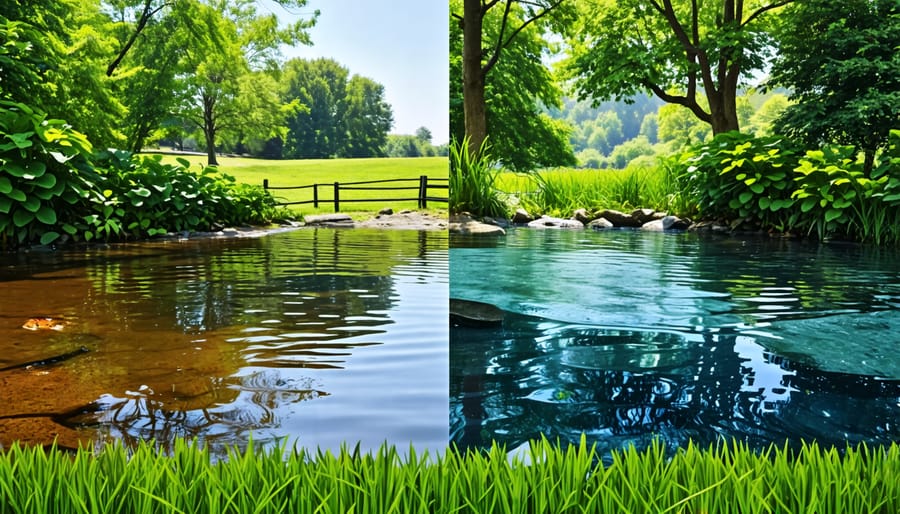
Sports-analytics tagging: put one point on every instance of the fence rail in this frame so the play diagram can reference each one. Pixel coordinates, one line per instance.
(422, 187)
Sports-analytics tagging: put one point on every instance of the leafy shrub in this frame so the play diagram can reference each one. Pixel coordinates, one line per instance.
(146, 197)
(52, 184)
(738, 176)
(831, 188)
(46, 175)
(768, 180)
(472, 180)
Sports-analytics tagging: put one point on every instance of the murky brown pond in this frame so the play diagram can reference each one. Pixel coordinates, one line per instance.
(316, 336)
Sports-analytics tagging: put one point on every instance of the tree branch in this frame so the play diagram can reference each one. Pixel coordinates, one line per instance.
(763, 9)
(486, 6)
(495, 56)
(501, 44)
(537, 17)
(146, 14)
(684, 101)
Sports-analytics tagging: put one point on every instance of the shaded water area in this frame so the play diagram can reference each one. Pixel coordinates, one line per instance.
(628, 336)
(315, 337)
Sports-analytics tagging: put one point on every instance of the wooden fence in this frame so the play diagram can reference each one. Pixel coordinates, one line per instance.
(421, 186)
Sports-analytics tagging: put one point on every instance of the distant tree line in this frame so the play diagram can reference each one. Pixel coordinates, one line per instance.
(196, 74)
(612, 134)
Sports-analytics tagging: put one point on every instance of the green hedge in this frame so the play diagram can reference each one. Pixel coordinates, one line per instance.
(54, 186)
(772, 182)
(549, 479)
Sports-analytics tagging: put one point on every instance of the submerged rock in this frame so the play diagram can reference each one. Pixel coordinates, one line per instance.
(856, 343)
(471, 313)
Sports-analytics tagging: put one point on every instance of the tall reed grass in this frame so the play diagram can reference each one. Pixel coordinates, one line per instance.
(472, 181)
(560, 192)
(550, 478)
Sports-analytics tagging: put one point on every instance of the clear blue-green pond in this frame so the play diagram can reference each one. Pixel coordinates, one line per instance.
(314, 337)
(627, 336)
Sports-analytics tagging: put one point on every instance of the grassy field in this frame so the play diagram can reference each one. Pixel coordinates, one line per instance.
(289, 173)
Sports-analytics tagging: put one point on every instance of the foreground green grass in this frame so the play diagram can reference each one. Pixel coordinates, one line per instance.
(287, 173)
(719, 479)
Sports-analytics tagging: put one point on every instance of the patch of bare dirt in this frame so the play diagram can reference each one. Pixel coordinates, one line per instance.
(410, 220)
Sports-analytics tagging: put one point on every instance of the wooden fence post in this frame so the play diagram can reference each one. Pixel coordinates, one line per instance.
(423, 191)
(316, 196)
(337, 194)
(265, 183)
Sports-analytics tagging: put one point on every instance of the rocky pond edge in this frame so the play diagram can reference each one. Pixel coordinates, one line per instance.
(608, 219)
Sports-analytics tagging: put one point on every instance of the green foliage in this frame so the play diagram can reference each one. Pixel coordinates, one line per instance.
(723, 478)
(144, 197)
(830, 183)
(762, 121)
(679, 126)
(841, 62)
(20, 46)
(517, 89)
(472, 181)
(342, 116)
(627, 47)
(51, 185)
(404, 145)
(45, 175)
(736, 176)
(770, 182)
(560, 192)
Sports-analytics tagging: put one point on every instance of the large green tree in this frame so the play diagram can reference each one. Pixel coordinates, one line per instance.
(674, 49)
(505, 98)
(32, 38)
(841, 63)
(222, 93)
(343, 116)
(368, 119)
(480, 51)
(320, 85)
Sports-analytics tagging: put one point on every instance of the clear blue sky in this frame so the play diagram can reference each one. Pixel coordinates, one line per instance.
(401, 44)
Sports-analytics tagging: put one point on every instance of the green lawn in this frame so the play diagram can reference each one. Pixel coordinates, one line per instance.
(289, 173)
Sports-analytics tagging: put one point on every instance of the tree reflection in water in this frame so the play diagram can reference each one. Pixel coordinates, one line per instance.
(535, 377)
(217, 339)
(255, 406)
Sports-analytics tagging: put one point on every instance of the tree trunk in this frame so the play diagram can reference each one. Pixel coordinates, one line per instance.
(209, 128)
(723, 116)
(723, 107)
(869, 162)
(473, 76)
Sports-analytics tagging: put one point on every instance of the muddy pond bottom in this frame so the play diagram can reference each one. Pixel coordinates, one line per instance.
(314, 337)
(628, 337)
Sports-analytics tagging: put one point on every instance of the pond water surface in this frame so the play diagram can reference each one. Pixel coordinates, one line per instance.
(628, 336)
(316, 337)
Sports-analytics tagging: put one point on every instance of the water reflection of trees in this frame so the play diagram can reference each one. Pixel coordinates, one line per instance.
(257, 406)
(520, 382)
(189, 319)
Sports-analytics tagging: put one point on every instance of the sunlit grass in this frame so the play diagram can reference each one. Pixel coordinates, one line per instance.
(722, 478)
(287, 173)
(559, 192)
